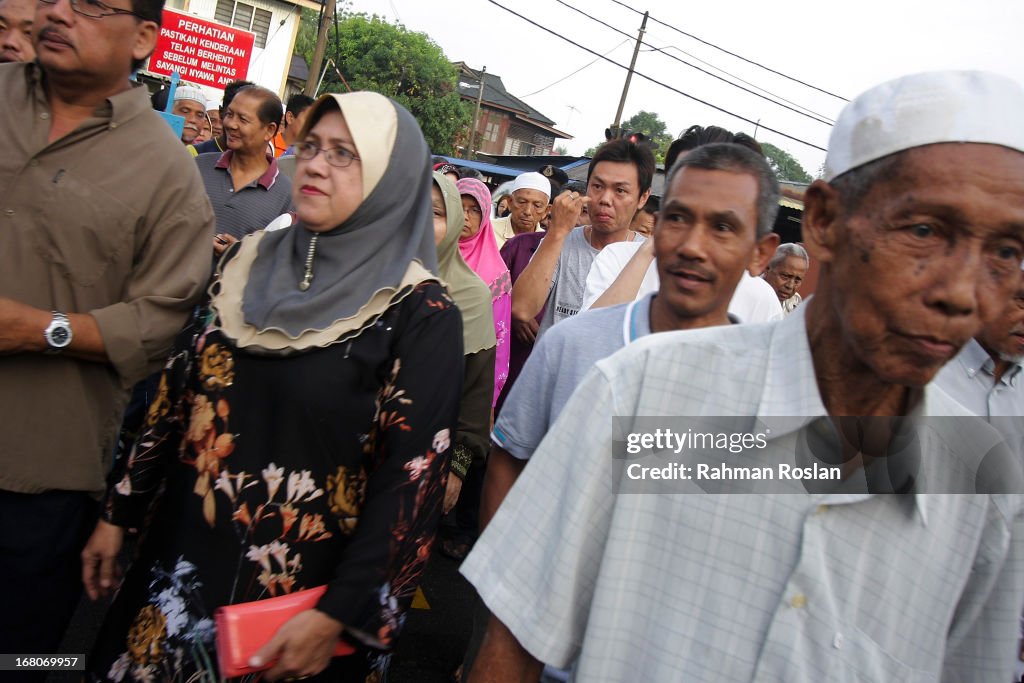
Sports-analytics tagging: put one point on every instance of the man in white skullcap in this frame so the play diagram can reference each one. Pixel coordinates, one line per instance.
(918, 227)
(190, 103)
(531, 194)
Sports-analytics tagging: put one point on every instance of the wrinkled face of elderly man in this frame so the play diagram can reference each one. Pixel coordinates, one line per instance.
(786, 276)
(1003, 337)
(919, 250)
(528, 209)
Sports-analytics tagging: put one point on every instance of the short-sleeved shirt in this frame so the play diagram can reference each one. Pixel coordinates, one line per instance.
(569, 279)
(754, 300)
(558, 363)
(251, 208)
(740, 588)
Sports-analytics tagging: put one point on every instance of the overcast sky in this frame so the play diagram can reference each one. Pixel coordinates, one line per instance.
(843, 48)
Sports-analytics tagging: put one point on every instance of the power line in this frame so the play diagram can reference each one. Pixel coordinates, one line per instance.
(704, 71)
(732, 75)
(579, 69)
(654, 80)
(722, 49)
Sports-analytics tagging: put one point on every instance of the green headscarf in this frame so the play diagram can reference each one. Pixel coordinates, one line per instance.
(470, 293)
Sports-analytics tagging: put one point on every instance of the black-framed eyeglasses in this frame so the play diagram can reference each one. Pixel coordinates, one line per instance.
(339, 157)
(94, 9)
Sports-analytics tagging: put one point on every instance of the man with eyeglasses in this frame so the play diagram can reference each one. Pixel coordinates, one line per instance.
(103, 253)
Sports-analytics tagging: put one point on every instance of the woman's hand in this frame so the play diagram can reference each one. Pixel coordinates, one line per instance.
(302, 647)
(99, 560)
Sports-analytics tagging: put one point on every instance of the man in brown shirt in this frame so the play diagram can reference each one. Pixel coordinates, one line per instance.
(104, 249)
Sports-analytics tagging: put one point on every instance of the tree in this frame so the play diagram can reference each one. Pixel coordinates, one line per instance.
(654, 128)
(305, 40)
(309, 26)
(407, 66)
(784, 165)
(561, 150)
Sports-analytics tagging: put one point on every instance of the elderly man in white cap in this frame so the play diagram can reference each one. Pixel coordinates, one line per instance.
(531, 194)
(919, 229)
(190, 103)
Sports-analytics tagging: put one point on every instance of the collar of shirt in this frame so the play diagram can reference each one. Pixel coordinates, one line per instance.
(115, 111)
(974, 359)
(637, 321)
(266, 181)
(791, 400)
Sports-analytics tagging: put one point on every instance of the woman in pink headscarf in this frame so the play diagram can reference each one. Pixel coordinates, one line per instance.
(480, 250)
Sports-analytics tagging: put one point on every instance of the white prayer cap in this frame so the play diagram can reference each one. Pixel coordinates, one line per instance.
(925, 109)
(532, 181)
(190, 92)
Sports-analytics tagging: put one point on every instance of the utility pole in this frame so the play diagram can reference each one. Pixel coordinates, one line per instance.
(321, 46)
(476, 114)
(629, 77)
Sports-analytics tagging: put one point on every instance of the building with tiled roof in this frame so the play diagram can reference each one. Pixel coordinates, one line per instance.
(506, 125)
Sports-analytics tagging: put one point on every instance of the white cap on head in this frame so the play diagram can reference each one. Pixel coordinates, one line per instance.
(190, 92)
(532, 181)
(926, 109)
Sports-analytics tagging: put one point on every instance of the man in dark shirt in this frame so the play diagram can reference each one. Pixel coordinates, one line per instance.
(244, 184)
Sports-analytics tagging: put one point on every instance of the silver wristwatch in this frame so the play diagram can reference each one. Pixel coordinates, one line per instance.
(58, 334)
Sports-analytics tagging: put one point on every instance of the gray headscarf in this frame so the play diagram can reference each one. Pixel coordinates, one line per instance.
(361, 265)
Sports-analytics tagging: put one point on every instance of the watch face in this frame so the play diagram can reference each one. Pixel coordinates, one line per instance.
(60, 336)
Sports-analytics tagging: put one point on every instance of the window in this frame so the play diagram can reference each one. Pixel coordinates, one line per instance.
(241, 15)
(491, 133)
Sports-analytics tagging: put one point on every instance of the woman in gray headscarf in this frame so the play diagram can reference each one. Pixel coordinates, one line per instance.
(303, 424)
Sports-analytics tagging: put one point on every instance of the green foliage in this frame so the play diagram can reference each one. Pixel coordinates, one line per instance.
(387, 58)
(651, 126)
(784, 165)
(305, 41)
(654, 128)
(561, 150)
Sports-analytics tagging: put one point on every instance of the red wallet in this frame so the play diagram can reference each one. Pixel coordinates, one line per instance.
(244, 628)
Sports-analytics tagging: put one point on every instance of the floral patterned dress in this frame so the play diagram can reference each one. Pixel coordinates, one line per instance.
(258, 476)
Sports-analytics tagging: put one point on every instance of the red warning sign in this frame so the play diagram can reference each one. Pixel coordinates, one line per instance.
(201, 51)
